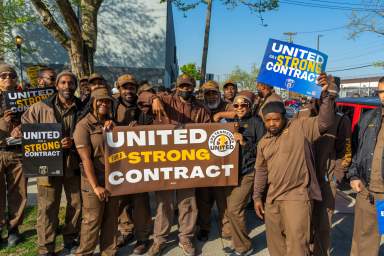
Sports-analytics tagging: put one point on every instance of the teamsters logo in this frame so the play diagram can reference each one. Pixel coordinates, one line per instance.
(221, 143)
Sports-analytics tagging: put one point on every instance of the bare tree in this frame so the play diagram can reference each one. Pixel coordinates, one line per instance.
(257, 6)
(80, 40)
(372, 20)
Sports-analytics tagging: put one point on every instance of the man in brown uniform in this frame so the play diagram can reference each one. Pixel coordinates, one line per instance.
(47, 78)
(284, 163)
(329, 152)
(266, 95)
(126, 112)
(12, 182)
(206, 197)
(62, 107)
(367, 178)
(179, 108)
(230, 91)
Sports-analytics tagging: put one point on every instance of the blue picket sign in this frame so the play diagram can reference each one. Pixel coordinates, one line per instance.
(292, 67)
(380, 215)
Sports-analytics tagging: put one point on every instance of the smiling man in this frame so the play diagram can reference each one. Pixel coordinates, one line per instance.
(62, 107)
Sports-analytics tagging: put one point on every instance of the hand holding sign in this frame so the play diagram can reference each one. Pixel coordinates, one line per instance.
(101, 193)
(67, 142)
(8, 116)
(292, 67)
(158, 109)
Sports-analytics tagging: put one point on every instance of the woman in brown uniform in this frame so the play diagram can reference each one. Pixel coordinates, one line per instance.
(100, 212)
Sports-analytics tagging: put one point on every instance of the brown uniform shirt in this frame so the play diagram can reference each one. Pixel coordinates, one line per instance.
(178, 111)
(282, 158)
(89, 133)
(125, 114)
(285, 162)
(376, 181)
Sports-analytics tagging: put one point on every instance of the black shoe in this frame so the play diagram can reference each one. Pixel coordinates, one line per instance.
(141, 247)
(13, 237)
(248, 253)
(203, 235)
(124, 239)
(69, 248)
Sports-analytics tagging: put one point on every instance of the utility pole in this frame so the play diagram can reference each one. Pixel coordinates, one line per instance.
(318, 41)
(290, 36)
(206, 42)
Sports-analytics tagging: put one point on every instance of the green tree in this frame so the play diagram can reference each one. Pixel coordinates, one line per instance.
(246, 80)
(78, 31)
(13, 14)
(256, 6)
(191, 70)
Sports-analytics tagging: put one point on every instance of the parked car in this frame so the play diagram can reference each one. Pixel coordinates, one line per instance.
(354, 107)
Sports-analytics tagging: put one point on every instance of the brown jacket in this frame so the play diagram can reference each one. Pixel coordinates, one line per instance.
(178, 111)
(43, 112)
(330, 148)
(285, 162)
(6, 128)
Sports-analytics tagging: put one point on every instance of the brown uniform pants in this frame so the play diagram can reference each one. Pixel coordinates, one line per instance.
(141, 215)
(287, 226)
(237, 199)
(205, 198)
(13, 189)
(99, 224)
(186, 203)
(48, 206)
(366, 238)
(322, 220)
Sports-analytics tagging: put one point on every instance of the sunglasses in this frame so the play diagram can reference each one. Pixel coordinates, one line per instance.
(7, 75)
(379, 91)
(242, 105)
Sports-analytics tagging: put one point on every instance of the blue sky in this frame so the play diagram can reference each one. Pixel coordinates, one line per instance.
(238, 39)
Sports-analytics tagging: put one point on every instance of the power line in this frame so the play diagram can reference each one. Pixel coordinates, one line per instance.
(332, 7)
(344, 3)
(351, 68)
(323, 30)
(376, 49)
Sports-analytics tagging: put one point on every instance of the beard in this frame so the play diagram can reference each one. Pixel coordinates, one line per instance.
(213, 105)
(67, 94)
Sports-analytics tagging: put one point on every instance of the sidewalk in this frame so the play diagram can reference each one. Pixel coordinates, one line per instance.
(341, 231)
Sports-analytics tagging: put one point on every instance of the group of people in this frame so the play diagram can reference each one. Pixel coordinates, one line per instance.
(289, 167)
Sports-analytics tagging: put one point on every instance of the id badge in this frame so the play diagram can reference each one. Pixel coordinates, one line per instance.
(380, 215)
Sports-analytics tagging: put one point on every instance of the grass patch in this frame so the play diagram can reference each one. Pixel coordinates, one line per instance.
(28, 246)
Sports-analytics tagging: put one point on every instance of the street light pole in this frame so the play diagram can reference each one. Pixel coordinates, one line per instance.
(318, 41)
(19, 42)
(290, 36)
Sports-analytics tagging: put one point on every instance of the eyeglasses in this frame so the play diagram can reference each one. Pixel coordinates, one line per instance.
(8, 75)
(242, 105)
(379, 91)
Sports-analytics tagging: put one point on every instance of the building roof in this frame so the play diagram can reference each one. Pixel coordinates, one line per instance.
(373, 101)
(361, 80)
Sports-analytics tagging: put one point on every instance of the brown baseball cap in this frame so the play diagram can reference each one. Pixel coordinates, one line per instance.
(101, 93)
(185, 79)
(230, 82)
(95, 76)
(83, 78)
(7, 68)
(126, 79)
(247, 95)
(211, 86)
